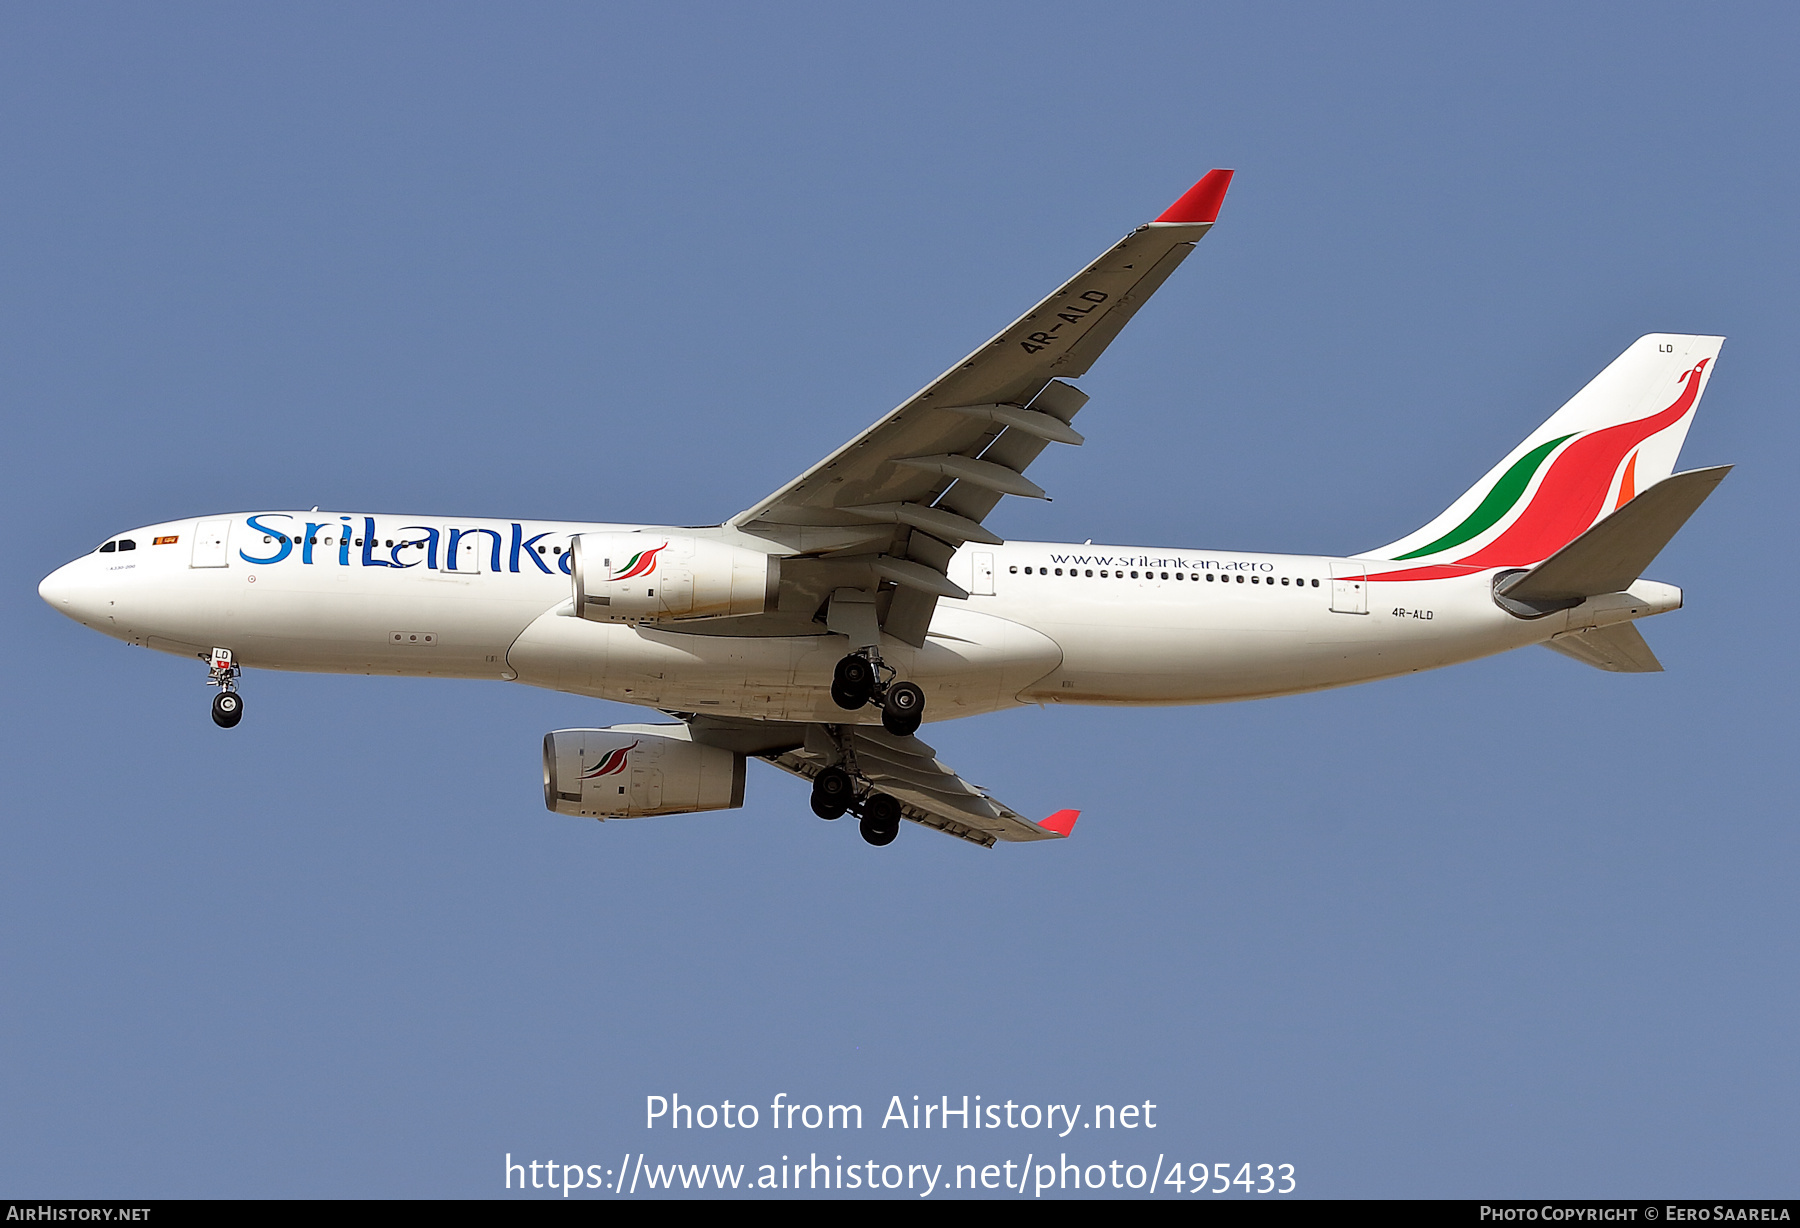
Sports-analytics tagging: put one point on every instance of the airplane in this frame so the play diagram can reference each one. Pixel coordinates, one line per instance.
(817, 630)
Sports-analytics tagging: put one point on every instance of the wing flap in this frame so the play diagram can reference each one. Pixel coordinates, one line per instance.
(929, 792)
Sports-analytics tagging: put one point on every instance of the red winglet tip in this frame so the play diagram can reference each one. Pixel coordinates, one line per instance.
(1062, 822)
(1201, 202)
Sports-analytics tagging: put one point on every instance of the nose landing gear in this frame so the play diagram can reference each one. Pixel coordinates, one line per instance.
(863, 677)
(227, 709)
(222, 671)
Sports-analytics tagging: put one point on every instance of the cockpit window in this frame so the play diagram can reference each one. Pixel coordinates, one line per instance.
(109, 547)
(125, 543)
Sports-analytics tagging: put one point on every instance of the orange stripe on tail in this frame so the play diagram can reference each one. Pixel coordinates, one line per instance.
(1628, 483)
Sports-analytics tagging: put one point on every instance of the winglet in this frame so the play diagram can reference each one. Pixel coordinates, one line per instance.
(1201, 202)
(1062, 822)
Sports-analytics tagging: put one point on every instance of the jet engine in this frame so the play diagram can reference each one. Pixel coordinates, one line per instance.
(630, 771)
(656, 577)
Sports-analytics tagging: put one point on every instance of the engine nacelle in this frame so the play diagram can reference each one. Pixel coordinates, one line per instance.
(656, 577)
(630, 771)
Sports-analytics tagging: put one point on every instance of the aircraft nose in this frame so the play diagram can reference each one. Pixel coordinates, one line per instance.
(68, 591)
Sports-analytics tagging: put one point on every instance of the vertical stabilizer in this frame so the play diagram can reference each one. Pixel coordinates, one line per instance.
(1616, 437)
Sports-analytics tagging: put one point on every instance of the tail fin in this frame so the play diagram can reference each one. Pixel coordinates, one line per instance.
(1619, 435)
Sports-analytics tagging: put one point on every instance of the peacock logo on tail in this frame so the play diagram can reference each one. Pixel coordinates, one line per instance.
(1567, 502)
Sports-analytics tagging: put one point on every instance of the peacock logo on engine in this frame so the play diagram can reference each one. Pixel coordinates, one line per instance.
(611, 765)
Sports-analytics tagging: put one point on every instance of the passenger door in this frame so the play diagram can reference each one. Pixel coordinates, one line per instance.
(464, 556)
(210, 537)
(983, 583)
(1349, 588)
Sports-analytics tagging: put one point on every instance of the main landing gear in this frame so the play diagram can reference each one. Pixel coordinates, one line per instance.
(833, 793)
(878, 814)
(880, 819)
(862, 678)
(222, 671)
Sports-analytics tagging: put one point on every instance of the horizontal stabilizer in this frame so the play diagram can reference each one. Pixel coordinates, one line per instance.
(1615, 552)
(1618, 649)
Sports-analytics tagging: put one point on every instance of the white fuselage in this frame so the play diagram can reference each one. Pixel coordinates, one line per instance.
(1044, 623)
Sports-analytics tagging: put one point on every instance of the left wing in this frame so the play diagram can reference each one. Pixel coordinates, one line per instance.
(896, 501)
(929, 792)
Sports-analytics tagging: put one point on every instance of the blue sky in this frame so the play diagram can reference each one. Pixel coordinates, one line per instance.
(1514, 928)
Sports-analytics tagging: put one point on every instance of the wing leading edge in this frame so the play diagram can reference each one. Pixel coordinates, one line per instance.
(918, 483)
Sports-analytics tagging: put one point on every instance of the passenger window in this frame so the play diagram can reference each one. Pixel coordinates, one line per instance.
(1240, 577)
(1011, 570)
(1090, 573)
(1209, 577)
(109, 547)
(1165, 575)
(1315, 584)
(1059, 571)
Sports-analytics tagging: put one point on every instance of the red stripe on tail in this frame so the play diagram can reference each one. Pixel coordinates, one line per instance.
(1573, 493)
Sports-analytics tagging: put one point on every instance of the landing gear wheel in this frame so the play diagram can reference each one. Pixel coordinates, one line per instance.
(832, 793)
(902, 709)
(853, 682)
(880, 819)
(227, 709)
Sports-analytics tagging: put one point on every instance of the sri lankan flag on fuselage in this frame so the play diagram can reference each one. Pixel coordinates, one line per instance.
(1618, 436)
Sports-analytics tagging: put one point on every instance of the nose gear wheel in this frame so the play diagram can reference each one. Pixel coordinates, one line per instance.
(227, 709)
(222, 671)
